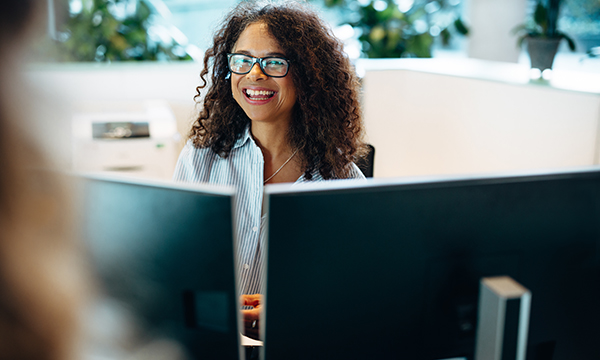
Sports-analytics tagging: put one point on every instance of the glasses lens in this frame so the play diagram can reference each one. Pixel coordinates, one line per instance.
(275, 66)
(272, 66)
(240, 64)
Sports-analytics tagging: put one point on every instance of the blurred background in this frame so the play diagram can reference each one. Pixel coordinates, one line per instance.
(448, 86)
(125, 30)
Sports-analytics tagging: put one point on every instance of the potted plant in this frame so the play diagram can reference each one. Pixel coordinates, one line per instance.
(542, 35)
(110, 30)
(394, 29)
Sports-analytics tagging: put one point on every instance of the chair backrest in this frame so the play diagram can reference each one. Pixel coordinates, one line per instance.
(365, 164)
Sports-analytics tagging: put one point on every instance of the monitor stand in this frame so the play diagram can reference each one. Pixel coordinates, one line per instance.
(503, 319)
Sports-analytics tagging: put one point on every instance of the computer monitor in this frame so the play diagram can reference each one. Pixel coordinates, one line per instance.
(165, 251)
(390, 269)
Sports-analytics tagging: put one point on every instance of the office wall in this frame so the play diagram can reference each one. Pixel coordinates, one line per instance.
(491, 22)
(481, 117)
(423, 116)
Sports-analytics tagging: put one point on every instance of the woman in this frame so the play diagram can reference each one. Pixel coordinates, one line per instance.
(282, 106)
(42, 274)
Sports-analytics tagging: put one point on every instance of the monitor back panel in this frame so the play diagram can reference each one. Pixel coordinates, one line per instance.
(166, 253)
(392, 272)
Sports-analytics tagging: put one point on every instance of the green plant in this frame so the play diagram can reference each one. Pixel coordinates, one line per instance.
(112, 30)
(389, 30)
(543, 24)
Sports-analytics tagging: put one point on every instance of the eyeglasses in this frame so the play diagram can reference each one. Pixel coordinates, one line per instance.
(272, 66)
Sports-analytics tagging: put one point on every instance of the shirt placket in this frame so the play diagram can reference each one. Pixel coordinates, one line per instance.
(254, 192)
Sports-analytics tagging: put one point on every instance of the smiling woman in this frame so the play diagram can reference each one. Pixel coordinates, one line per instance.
(326, 128)
(263, 97)
(282, 106)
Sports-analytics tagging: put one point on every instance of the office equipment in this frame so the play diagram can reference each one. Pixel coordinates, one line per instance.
(391, 269)
(141, 142)
(165, 251)
(503, 319)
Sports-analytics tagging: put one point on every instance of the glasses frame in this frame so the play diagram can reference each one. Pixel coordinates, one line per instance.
(259, 61)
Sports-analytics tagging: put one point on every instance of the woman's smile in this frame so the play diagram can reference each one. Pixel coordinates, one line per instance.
(258, 95)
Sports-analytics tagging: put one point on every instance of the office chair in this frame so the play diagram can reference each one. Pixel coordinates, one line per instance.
(365, 164)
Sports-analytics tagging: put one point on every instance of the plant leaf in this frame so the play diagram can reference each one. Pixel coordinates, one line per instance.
(519, 28)
(540, 16)
(570, 41)
(461, 27)
(445, 34)
(520, 41)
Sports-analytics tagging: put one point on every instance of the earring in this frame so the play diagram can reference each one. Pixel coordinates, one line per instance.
(228, 75)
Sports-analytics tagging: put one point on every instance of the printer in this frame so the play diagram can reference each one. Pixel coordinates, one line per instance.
(142, 142)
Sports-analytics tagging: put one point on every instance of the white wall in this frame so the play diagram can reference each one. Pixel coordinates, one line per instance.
(433, 117)
(491, 22)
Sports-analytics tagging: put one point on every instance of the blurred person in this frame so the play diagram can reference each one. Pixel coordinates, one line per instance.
(52, 306)
(42, 277)
(281, 106)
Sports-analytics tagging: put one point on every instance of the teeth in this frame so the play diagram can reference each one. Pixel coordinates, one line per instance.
(253, 93)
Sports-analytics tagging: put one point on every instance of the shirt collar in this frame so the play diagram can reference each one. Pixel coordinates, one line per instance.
(243, 139)
(316, 176)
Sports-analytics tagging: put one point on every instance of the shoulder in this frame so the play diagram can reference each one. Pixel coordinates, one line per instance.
(191, 154)
(355, 172)
(204, 165)
(192, 160)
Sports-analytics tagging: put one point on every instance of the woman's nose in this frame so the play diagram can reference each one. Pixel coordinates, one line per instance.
(256, 73)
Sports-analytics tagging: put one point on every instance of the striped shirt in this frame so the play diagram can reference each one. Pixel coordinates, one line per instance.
(243, 170)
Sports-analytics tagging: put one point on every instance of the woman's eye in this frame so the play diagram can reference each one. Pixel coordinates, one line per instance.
(275, 63)
(241, 63)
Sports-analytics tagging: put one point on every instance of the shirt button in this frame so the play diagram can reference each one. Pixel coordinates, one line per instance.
(246, 266)
(255, 229)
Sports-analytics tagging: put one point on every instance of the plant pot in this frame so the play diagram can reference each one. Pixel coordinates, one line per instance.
(542, 52)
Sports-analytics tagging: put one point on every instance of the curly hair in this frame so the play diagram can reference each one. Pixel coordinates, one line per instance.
(326, 123)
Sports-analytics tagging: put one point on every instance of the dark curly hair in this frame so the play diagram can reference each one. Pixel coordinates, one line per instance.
(327, 123)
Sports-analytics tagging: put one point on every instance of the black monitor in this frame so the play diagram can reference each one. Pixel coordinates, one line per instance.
(165, 252)
(390, 269)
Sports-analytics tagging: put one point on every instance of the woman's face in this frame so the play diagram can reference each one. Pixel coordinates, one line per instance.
(262, 97)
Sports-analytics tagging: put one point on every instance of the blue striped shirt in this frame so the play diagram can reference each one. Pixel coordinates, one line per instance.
(244, 170)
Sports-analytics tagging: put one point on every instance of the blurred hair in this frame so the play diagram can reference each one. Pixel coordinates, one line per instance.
(14, 17)
(326, 125)
(41, 277)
